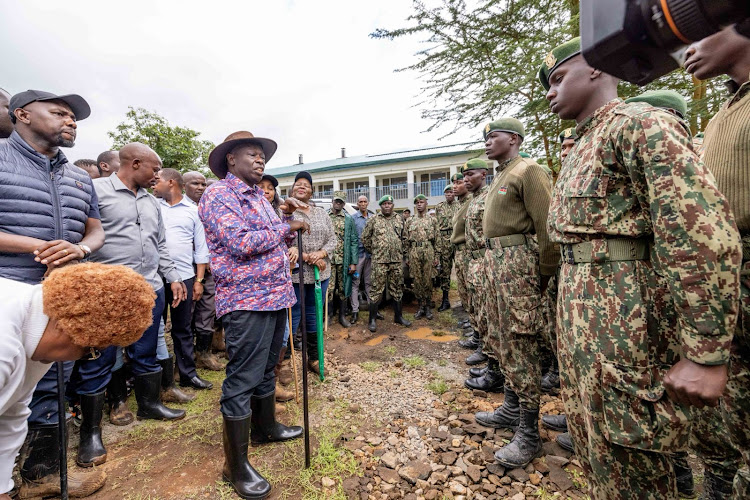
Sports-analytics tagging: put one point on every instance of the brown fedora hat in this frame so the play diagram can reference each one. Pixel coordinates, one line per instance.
(217, 160)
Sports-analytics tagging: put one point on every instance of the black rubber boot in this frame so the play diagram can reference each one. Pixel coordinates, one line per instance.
(117, 397)
(428, 312)
(373, 326)
(566, 443)
(476, 357)
(91, 450)
(551, 379)
(715, 486)
(684, 474)
(398, 318)
(526, 443)
(557, 423)
(355, 317)
(420, 311)
(477, 371)
(445, 304)
(237, 471)
(472, 342)
(148, 395)
(493, 379)
(169, 391)
(342, 316)
(265, 428)
(505, 416)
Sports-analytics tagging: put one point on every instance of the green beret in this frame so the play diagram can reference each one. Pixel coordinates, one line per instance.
(524, 154)
(419, 197)
(556, 57)
(385, 198)
(568, 133)
(507, 124)
(457, 177)
(666, 99)
(447, 188)
(339, 195)
(475, 164)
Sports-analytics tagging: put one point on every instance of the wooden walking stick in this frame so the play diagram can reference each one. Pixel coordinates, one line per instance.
(294, 358)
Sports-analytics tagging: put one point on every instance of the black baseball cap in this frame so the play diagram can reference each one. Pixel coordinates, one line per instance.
(77, 104)
(270, 178)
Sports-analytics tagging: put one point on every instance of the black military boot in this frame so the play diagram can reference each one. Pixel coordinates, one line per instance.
(91, 450)
(557, 423)
(428, 312)
(420, 311)
(526, 443)
(715, 486)
(492, 380)
(373, 326)
(445, 304)
(551, 379)
(505, 416)
(476, 357)
(472, 342)
(397, 314)
(265, 428)
(148, 395)
(684, 474)
(566, 443)
(342, 315)
(477, 371)
(237, 471)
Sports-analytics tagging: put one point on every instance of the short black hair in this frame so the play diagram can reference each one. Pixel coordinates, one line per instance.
(106, 157)
(84, 162)
(170, 174)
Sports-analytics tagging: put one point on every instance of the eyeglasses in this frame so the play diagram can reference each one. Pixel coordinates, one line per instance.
(93, 354)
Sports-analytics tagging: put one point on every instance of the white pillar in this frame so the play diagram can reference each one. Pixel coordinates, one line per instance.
(373, 183)
(336, 186)
(453, 170)
(410, 185)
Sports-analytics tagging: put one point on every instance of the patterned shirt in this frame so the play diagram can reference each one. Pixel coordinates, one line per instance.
(339, 227)
(320, 237)
(474, 219)
(246, 241)
(633, 174)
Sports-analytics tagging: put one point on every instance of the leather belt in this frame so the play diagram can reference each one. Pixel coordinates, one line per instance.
(511, 240)
(620, 249)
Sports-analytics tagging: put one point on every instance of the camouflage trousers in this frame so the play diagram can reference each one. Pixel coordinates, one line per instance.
(549, 310)
(617, 337)
(388, 274)
(476, 289)
(422, 268)
(710, 440)
(736, 400)
(336, 282)
(462, 265)
(516, 316)
(446, 251)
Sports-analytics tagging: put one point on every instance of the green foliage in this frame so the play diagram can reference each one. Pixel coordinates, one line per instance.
(413, 362)
(179, 147)
(481, 59)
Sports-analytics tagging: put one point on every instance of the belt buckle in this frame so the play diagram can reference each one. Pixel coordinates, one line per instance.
(567, 254)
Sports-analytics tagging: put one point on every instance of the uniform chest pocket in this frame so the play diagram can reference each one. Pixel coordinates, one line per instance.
(586, 201)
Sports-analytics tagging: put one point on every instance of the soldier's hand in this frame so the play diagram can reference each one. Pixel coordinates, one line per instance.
(690, 383)
(290, 205)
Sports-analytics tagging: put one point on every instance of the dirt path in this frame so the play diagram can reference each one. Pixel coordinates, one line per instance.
(391, 420)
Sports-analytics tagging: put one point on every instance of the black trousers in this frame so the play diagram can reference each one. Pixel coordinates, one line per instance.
(182, 334)
(253, 341)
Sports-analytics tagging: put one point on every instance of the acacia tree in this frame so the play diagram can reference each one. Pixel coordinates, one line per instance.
(481, 61)
(179, 147)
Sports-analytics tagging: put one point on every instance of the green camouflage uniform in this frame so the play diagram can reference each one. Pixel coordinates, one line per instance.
(419, 239)
(460, 258)
(383, 238)
(624, 317)
(476, 275)
(336, 282)
(444, 213)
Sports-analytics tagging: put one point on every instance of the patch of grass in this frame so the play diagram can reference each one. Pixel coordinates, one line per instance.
(414, 362)
(369, 366)
(579, 480)
(390, 350)
(328, 461)
(438, 386)
(439, 333)
(444, 320)
(394, 374)
(442, 362)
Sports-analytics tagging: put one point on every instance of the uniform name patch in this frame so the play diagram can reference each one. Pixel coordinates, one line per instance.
(502, 190)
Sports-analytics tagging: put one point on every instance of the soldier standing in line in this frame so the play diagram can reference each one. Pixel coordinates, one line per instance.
(383, 239)
(444, 211)
(345, 257)
(520, 260)
(458, 240)
(475, 175)
(419, 242)
(648, 243)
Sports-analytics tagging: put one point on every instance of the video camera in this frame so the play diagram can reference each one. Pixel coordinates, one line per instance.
(641, 40)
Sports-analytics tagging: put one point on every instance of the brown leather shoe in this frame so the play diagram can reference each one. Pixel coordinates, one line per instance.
(80, 484)
(286, 376)
(314, 366)
(282, 395)
(207, 361)
(120, 414)
(176, 395)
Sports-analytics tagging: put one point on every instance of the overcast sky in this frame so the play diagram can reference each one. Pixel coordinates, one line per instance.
(304, 73)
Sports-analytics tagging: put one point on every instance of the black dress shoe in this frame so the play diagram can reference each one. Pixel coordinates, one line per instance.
(565, 442)
(195, 382)
(557, 423)
(476, 357)
(477, 371)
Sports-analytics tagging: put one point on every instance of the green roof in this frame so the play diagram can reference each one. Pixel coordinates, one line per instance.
(378, 159)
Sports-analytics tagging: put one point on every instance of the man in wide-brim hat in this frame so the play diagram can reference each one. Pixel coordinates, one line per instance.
(247, 242)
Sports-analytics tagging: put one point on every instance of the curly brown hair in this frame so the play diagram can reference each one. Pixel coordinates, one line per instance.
(99, 305)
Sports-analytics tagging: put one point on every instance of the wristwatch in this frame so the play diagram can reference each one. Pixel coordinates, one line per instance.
(86, 250)
(200, 280)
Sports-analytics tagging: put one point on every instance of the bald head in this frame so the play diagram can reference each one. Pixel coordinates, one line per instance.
(139, 166)
(195, 185)
(6, 126)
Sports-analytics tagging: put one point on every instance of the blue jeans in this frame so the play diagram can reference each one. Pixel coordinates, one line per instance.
(310, 315)
(253, 341)
(161, 345)
(43, 404)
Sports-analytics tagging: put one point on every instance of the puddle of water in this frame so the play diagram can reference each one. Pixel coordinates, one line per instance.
(376, 340)
(425, 333)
